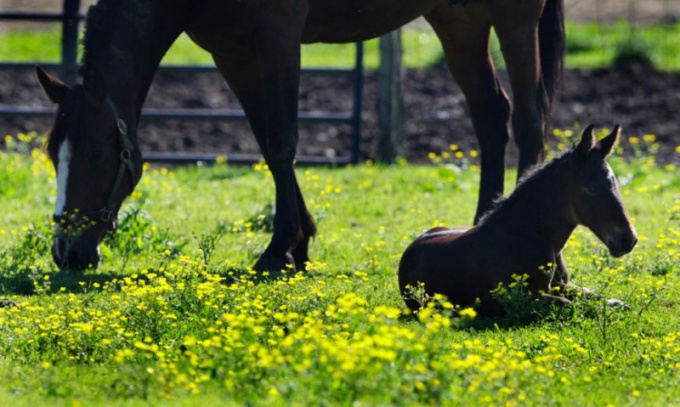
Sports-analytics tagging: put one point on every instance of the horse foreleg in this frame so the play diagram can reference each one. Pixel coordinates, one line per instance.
(464, 34)
(516, 25)
(242, 73)
(307, 227)
(277, 46)
(266, 82)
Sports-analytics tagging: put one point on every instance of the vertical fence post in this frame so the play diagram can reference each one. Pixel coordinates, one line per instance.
(69, 40)
(390, 99)
(358, 75)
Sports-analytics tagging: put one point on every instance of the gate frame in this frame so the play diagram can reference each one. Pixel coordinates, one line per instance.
(70, 19)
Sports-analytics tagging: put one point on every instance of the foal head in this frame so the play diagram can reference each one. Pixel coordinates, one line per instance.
(595, 193)
(97, 165)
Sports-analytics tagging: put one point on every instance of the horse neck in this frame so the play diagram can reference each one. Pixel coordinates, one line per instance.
(140, 34)
(541, 211)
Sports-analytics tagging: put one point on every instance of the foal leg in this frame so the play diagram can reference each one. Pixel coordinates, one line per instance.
(516, 24)
(562, 281)
(464, 34)
(244, 79)
(570, 290)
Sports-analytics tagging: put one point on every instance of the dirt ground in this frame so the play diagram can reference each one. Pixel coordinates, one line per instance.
(641, 100)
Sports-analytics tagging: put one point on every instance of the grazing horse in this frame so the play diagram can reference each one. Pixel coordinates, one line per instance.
(525, 232)
(256, 47)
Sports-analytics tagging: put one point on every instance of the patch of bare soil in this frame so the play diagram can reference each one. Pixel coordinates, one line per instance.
(641, 100)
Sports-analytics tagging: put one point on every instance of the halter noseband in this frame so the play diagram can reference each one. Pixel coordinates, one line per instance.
(107, 214)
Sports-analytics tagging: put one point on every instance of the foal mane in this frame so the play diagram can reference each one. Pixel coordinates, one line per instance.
(535, 177)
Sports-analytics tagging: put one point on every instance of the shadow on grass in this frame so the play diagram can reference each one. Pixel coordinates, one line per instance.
(28, 282)
(533, 314)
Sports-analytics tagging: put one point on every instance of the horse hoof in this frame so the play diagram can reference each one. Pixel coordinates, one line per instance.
(4, 303)
(618, 304)
(272, 266)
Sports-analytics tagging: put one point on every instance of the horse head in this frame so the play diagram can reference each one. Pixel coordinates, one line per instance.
(97, 163)
(596, 198)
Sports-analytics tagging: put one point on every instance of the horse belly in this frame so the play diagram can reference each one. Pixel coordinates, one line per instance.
(336, 21)
(224, 28)
(228, 27)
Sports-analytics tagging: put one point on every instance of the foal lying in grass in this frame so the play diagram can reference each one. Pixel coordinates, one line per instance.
(525, 232)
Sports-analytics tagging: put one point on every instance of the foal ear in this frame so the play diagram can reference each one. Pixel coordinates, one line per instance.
(54, 89)
(587, 142)
(607, 144)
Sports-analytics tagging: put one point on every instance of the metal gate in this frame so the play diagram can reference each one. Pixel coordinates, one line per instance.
(70, 19)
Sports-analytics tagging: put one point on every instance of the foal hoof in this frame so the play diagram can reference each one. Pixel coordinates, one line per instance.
(273, 267)
(618, 304)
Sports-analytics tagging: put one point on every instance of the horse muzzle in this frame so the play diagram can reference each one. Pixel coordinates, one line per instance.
(74, 259)
(76, 254)
(622, 244)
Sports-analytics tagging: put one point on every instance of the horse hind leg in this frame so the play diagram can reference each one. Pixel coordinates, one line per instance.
(517, 28)
(464, 33)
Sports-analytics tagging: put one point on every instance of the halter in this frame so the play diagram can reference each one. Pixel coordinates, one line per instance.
(107, 214)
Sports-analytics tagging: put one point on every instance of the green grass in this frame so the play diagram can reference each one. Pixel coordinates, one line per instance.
(594, 46)
(588, 46)
(172, 317)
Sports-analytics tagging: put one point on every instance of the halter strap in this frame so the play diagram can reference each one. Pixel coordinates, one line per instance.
(108, 211)
(107, 214)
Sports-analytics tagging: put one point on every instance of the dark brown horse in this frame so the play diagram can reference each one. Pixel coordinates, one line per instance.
(525, 232)
(256, 46)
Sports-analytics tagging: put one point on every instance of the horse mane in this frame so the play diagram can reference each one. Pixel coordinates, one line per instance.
(98, 23)
(537, 175)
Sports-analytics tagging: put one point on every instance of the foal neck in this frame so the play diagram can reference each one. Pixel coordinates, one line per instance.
(540, 208)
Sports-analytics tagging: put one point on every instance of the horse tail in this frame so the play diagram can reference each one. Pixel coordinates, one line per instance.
(551, 44)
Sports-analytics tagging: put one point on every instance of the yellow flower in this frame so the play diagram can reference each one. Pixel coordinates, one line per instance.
(468, 312)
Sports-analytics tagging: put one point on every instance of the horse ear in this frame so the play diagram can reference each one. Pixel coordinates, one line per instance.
(607, 144)
(587, 142)
(54, 89)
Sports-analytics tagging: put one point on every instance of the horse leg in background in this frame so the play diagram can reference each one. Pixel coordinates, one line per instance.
(464, 34)
(516, 24)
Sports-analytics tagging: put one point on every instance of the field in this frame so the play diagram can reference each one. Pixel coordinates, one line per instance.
(173, 316)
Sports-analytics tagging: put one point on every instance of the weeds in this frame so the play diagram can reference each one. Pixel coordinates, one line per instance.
(175, 315)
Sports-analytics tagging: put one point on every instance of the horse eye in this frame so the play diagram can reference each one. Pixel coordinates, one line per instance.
(590, 189)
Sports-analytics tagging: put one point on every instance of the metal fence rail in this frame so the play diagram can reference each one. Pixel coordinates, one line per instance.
(70, 19)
